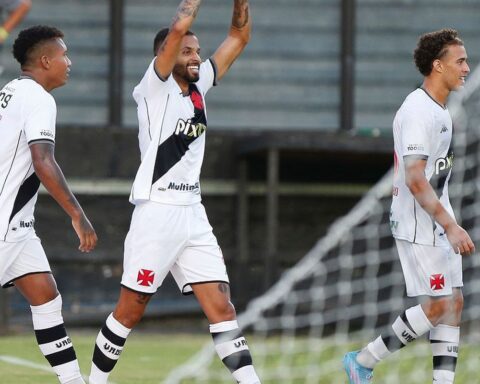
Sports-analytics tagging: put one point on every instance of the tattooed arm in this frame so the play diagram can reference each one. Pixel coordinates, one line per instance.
(168, 52)
(238, 37)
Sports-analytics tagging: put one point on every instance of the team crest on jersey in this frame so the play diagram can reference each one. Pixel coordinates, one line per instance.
(145, 277)
(437, 281)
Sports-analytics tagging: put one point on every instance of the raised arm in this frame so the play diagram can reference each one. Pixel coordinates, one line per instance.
(181, 23)
(52, 178)
(428, 200)
(14, 18)
(237, 39)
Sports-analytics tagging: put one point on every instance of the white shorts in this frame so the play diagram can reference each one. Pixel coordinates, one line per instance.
(21, 259)
(173, 238)
(428, 270)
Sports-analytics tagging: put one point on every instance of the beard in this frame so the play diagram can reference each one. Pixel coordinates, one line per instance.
(182, 72)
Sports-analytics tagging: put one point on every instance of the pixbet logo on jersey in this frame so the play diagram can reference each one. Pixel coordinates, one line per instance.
(437, 281)
(189, 129)
(443, 164)
(145, 277)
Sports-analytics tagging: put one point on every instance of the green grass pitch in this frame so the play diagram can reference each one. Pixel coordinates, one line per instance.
(147, 358)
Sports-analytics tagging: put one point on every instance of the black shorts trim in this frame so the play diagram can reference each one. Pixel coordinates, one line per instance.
(11, 282)
(135, 291)
(201, 282)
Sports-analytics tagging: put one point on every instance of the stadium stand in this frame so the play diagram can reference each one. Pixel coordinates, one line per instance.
(287, 77)
(85, 24)
(386, 32)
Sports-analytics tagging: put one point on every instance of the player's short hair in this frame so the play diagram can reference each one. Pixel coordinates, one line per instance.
(432, 46)
(30, 38)
(160, 38)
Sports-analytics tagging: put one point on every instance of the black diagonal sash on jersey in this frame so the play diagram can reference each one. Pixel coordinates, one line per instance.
(27, 190)
(174, 148)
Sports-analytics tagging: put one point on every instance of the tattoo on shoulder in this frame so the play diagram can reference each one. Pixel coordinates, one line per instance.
(241, 14)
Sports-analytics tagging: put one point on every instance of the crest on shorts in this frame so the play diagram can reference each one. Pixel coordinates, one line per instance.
(145, 277)
(437, 281)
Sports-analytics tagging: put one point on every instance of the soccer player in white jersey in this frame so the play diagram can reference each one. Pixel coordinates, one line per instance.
(429, 241)
(27, 122)
(170, 231)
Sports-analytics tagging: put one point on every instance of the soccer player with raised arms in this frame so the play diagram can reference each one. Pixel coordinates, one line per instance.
(429, 241)
(27, 122)
(170, 231)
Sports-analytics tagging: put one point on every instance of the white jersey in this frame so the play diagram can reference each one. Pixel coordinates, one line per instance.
(171, 137)
(27, 116)
(423, 128)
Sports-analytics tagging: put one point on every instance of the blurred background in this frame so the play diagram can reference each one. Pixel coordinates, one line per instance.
(299, 130)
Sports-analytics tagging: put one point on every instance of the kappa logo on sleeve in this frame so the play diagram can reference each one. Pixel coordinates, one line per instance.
(145, 277)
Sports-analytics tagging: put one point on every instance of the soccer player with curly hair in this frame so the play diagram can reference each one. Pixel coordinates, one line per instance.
(429, 241)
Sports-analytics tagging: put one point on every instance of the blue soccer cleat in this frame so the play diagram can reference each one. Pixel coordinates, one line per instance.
(357, 374)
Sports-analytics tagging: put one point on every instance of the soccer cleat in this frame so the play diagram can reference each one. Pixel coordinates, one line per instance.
(357, 374)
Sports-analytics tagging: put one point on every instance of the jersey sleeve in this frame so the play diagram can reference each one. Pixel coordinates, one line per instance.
(150, 85)
(208, 76)
(415, 131)
(40, 119)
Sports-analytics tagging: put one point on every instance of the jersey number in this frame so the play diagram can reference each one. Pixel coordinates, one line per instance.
(4, 99)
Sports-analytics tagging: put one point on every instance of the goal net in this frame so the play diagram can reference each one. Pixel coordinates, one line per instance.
(350, 287)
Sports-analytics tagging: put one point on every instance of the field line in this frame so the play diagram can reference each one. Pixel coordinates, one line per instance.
(26, 363)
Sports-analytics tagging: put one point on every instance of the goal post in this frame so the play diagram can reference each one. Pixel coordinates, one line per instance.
(350, 287)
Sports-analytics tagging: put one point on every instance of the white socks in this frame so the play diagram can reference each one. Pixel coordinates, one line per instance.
(54, 342)
(406, 328)
(233, 350)
(444, 340)
(108, 347)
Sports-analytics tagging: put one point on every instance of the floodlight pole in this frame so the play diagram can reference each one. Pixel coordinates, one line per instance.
(347, 98)
(116, 64)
